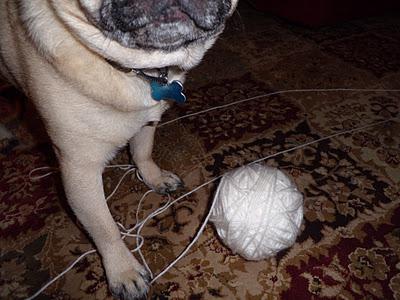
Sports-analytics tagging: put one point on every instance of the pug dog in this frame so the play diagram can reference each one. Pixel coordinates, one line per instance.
(89, 67)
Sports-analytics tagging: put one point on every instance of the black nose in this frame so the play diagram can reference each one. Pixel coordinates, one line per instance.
(207, 14)
(129, 15)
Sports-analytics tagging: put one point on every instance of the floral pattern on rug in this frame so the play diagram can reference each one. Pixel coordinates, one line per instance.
(378, 54)
(241, 120)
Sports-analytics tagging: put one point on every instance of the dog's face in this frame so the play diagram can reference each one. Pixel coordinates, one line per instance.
(158, 24)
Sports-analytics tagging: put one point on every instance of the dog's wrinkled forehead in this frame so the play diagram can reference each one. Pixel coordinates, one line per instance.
(160, 24)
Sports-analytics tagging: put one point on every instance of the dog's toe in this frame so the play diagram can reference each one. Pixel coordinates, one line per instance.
(127, 278)
(130, 285)
(166, 183)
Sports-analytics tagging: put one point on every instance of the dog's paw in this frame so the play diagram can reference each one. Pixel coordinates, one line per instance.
(165, 183)
(127, 278)
(130, 285)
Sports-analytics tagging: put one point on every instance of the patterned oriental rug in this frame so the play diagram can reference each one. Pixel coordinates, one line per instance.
(349, 247)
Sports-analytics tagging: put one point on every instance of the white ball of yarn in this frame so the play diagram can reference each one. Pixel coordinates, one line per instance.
(258, 211)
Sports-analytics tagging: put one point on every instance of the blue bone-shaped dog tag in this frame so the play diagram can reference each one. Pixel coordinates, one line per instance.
(168, 91)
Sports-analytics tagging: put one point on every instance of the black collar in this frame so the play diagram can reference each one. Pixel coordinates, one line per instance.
(161, 88)
(161, 78)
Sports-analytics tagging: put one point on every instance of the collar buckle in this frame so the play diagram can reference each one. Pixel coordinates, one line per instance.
(161, 79)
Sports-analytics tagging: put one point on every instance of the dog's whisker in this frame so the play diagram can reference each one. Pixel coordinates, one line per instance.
(237, 18)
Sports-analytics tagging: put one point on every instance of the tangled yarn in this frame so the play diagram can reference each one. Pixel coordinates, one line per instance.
(258, 211)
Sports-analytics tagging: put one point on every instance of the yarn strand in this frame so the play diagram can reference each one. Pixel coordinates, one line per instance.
(278, 93)
(200, 231)
(129, 169)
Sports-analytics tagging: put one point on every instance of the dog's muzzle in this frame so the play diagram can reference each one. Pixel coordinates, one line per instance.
(161, 24)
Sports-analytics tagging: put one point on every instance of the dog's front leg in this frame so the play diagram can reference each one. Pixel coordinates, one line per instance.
(141, 147)
(84, 189)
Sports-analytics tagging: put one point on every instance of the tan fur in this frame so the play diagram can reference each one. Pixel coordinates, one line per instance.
(50, 51)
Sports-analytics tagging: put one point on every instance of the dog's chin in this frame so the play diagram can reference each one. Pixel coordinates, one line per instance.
(167, 37)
